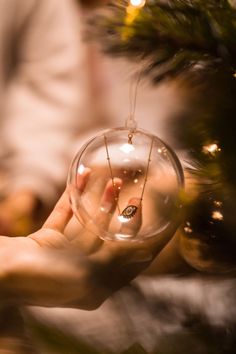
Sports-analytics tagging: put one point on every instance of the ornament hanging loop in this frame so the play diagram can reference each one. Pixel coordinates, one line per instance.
(131, 123)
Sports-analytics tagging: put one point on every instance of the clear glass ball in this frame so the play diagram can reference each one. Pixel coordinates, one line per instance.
(126, 185)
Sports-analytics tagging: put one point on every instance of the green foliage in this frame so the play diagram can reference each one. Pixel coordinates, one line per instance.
(173, 34)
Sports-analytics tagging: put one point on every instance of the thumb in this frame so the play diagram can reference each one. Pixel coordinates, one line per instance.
(61, 214)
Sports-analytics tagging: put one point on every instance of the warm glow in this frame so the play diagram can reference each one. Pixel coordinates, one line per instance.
(217, 215)
(218, 203)
(188, 230)
(127, 148)
(211, 148)
(137, 3)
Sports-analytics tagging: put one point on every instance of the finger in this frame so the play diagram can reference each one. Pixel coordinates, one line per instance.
(129, 229)
(82, 179)
(100, 224)
(108, 203)
(130, 225)
(61, 214)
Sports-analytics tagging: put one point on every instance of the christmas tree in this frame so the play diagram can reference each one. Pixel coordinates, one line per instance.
(194, 43)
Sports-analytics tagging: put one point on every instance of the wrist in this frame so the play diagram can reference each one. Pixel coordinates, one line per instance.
(14, 254)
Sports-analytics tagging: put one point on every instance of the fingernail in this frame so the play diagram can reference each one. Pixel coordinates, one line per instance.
(135, 201)
(106, 207)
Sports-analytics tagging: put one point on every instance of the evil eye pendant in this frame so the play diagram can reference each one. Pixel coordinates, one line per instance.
(129, 211)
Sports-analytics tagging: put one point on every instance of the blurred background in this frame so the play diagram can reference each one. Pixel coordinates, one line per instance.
(57, 90)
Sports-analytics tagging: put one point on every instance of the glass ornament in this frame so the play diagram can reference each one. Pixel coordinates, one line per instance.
(143, 176)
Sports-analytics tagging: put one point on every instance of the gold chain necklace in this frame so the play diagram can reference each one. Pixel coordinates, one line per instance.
(130, 210)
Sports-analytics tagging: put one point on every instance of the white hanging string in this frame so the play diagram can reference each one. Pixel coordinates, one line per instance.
(131, 122)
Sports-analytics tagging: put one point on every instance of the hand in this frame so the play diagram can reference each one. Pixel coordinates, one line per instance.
(49, 269)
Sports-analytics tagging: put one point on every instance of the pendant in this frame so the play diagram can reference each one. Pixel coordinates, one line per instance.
(129, 211)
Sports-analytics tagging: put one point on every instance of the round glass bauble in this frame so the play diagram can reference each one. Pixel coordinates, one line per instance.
(126, 185)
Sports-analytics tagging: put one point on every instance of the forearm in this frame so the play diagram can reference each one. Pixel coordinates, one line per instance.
(44, 93)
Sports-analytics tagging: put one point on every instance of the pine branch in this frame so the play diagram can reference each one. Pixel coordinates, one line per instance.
(173, 34)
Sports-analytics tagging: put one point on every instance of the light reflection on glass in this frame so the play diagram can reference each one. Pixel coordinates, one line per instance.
(81, 169)
(122, 219)
(127, 148)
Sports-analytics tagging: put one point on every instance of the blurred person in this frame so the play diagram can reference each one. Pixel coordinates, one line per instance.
(42, 89)
(41, 78)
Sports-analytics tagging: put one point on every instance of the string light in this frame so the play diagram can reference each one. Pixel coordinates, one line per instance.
(188, 228)
(137, 3)
(211, 149)
(217, 215)
(132, 11)
(218, 203)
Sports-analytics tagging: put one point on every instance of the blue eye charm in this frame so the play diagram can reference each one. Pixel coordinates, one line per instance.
(129, 211)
